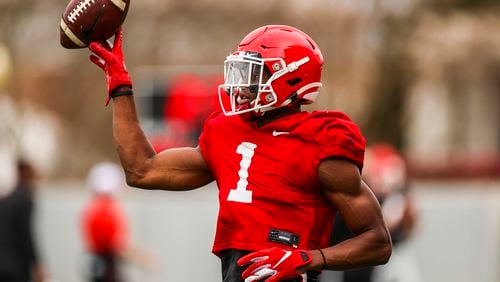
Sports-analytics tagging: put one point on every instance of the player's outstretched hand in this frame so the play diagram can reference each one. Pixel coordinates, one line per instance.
(109, 57)
(274, 264)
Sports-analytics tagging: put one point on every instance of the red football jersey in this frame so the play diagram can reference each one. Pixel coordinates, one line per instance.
(267, 177)
(104, 226)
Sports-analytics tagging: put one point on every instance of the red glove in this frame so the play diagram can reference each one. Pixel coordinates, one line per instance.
(110, 59)
(275, 263)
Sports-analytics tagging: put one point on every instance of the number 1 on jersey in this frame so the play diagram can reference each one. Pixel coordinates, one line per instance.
(241, 194)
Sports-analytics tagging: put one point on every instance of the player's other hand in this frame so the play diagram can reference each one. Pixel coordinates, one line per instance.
(274, 264)
(109, 57)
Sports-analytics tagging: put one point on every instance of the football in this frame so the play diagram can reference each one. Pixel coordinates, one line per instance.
(84, 21)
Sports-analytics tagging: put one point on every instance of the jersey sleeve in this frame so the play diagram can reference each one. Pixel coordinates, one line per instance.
(339, 137)
(204, 139)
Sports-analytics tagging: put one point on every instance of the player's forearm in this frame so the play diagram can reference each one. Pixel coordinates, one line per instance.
(372, 247)
(133, 148)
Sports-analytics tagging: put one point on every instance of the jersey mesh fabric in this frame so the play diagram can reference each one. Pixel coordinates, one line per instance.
(280, 172)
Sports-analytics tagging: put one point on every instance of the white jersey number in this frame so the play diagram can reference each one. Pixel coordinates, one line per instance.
(241, 194)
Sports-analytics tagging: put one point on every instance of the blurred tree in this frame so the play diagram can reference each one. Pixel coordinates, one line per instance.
(385, 116)
(448, 5)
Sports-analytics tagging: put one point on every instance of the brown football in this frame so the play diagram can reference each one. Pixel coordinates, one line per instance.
(84, 21)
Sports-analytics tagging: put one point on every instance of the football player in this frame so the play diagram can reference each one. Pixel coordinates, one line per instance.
(282, 173)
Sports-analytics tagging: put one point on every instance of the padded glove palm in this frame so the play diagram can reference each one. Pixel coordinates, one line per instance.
(110, 58)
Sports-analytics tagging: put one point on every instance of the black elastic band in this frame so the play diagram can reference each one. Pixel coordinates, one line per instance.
(324, 259)
(122, 93)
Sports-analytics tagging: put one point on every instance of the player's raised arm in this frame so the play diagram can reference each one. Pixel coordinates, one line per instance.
(371, 244)
(175, 169)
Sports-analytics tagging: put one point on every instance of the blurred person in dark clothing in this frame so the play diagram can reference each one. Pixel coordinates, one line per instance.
(385, 173)
(19, 260)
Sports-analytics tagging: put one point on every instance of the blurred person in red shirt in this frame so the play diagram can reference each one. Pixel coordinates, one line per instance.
(105, 228)
(104, 223)
(385, 172)
(189, 99)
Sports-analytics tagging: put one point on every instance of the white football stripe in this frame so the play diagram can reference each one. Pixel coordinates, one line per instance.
(71, 35)
(120, 4)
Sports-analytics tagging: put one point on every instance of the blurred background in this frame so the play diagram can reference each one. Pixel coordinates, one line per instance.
(421, 75)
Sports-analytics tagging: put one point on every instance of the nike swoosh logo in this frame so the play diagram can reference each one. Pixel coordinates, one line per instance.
(283, 258)
(277, 133)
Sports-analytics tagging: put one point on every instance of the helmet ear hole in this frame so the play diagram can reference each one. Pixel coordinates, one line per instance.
(294, 81)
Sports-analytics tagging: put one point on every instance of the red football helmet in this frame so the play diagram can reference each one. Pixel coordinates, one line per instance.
(385, 169)
(274, 66)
